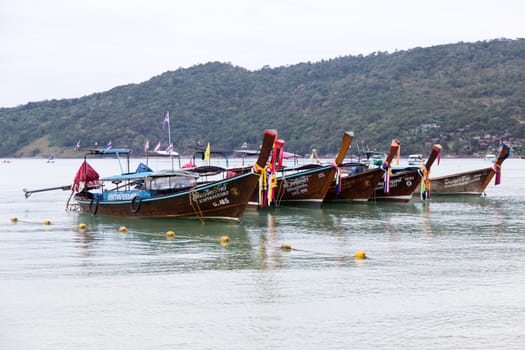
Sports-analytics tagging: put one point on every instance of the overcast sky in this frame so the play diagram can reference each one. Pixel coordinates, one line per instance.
(54, 49)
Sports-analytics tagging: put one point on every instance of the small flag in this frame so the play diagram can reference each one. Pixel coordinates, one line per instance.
(207, 153)
(77, 146)
(157, 148)
(166, 119)
(109, 145)
(146, 146)
(170, 148)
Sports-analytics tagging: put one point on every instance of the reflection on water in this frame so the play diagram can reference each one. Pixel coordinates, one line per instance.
(145, 247)
(328, 232)
(442, 274)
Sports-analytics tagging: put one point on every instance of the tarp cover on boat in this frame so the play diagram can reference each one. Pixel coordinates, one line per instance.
(86, 175)
(143, 168)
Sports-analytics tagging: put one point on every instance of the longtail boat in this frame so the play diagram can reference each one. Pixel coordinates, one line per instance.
(175, 193)
(360, 181)
(399, 184)
(307, 184)
(472, 182)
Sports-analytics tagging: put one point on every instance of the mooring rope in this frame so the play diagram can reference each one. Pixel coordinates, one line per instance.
(197, 211)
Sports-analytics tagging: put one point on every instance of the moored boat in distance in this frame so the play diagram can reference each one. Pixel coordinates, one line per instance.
(360, 181)
(490, 157)
(404, 181)
(174, 193)
(373, 158)
(472, 182)
(416, 159)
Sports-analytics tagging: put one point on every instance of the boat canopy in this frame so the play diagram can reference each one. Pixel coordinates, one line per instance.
(288, 155)
(247, 152)
(165, 153)
(142, 171)
(110, 151)
(114, 151)
(182, 173)
(132, 176)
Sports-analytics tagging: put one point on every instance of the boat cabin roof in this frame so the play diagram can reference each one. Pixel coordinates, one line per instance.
(164, 153)
(132, 176)
(110, 151)
(142, 175)
(168, 173)
(248, 152)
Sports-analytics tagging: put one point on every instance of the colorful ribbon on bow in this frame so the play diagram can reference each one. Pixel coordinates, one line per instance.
(388, 172)
(338, 178)
(261, 171)
(497, 170)
(425, 182)
(504, 154)
(272, 184)
(267, 184)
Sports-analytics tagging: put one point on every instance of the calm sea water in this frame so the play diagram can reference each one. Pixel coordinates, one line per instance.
(447, 274)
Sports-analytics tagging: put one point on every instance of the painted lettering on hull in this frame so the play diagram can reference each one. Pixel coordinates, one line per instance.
(218, 195)
(297, 186)
(408, 180)
(462, 180)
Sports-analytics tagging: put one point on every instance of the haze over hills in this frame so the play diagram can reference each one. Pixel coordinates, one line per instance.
(468, 97)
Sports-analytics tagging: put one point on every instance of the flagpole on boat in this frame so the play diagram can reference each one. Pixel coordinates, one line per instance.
(169, 127)
(167, 121)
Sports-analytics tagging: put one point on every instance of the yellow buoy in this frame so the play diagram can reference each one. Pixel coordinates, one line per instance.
(122, 229)
(14, 219)
(47, 222)
(360, 254)
(286, 246)
(170, 234)
(225, 239)
(82, 226)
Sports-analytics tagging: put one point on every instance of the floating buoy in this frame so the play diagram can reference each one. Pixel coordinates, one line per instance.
(360, 254)
(47, 222)
(170, 234)
(225, 239)
(286, 246)
(122, 229)
(82, 226)
(14, 219)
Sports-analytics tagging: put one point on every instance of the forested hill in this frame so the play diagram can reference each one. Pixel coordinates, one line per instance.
(467, 96)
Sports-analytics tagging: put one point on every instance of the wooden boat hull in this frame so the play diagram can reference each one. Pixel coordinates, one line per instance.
(304, 187)
(406, 181)
(355, 187)
(402, 185)
(163, 195)
(308, 184)
(223, 200)
(470, 182)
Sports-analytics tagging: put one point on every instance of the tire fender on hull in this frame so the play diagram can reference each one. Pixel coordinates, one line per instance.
(135, 204)
(93, 206)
